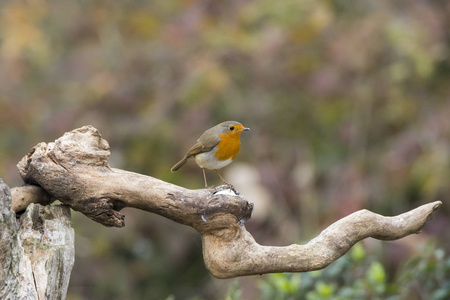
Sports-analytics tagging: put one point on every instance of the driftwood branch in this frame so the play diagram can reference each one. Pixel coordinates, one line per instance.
(75, 170)
(25, 195)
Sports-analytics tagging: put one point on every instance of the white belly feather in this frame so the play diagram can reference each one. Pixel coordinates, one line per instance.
(208, 161)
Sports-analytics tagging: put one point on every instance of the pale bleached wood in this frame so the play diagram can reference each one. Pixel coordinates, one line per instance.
(37, 251)
(75, 170)
(25, 195)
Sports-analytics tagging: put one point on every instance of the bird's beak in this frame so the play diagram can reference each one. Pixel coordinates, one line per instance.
(246, 129)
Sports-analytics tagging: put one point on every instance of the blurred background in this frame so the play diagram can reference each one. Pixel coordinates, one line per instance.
(347, 101)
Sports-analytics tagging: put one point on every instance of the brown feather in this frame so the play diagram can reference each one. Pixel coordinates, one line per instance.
(179, 164)
(198, 148)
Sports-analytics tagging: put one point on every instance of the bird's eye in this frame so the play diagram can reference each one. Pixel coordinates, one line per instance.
(231, 127)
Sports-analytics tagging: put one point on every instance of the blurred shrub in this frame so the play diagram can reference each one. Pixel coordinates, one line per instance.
(358, 276)
(426, 276)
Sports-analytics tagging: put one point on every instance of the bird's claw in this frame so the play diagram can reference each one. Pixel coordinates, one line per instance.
(226, 186)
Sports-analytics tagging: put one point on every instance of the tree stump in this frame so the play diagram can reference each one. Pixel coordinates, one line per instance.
(36, 252)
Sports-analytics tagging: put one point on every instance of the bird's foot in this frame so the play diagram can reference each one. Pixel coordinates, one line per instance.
(226, 186)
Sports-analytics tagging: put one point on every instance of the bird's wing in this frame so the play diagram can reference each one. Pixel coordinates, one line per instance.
(203, 145)
(196, 149)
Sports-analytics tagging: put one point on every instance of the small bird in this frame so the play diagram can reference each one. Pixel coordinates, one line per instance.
(215, 148)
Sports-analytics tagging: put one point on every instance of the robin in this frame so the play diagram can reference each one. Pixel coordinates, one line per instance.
(215, 148)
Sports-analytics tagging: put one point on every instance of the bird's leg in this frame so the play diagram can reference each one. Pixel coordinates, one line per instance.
(204, 177)
(223, 180)
(230, 186)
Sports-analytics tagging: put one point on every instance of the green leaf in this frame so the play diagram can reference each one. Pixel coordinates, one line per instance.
(358, 253)
(376, 273)
(324, 290)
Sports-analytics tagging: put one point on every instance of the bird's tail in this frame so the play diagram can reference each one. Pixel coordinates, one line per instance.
(179, 164)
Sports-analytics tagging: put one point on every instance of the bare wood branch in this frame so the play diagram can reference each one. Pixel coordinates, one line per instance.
(75, 170)
(240, 255)
(25, 195)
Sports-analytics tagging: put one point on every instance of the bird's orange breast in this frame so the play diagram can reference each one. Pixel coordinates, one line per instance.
(228, 146)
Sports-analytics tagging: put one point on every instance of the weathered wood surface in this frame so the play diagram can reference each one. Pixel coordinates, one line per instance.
(75, 170)
(36, 252)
